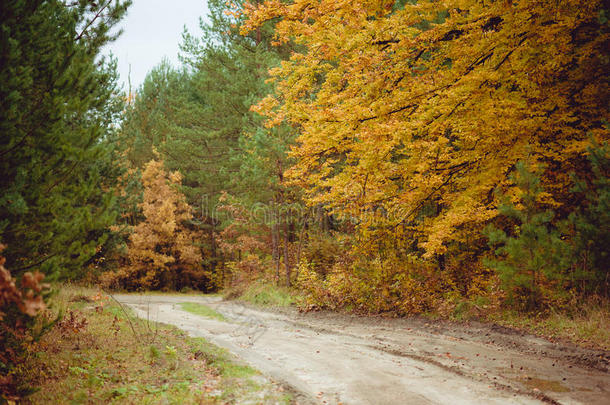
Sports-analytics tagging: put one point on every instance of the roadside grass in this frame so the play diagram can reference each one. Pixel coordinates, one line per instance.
(100, 353)
(202, 310)
(589, 327)
(586, 323)
(265, 294)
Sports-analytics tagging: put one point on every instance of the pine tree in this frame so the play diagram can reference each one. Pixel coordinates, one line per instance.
(200, 120)
(211, 137)
(591, 224)
(147, 118)
(58, 105)
(533, 253)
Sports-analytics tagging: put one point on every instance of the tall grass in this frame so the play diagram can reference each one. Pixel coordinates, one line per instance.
(264, 294)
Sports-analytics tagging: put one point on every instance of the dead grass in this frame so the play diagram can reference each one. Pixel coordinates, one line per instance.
(589, 326)
(100, 353)
(543, 385)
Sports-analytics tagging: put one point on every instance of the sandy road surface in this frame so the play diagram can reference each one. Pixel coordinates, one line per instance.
(332, 358)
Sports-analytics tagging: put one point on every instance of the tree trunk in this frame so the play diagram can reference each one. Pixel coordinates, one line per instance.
(222, 273)
(213, 241)
(274, 244)
(300, 247)
(286, 256)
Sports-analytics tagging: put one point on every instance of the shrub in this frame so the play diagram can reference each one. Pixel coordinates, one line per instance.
(20, 303)
(244, 272)
(390, 285)
(322, 250)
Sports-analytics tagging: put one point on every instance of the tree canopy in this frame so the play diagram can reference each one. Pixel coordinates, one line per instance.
(404, 105)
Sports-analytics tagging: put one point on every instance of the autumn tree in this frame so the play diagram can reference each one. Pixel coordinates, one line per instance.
(410, 114)
(163, 251)
(402, 105)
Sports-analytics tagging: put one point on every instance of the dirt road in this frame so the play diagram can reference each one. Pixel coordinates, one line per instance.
(331, 358)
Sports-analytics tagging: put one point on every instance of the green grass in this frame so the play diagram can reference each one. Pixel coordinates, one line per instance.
(117, 358)
(202, 310)
(268, 295)
(237, 376)
(221, 359)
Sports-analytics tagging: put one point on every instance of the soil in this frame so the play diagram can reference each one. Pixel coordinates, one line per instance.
(333, 358)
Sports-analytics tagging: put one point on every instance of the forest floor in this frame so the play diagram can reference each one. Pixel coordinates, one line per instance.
(332, 358)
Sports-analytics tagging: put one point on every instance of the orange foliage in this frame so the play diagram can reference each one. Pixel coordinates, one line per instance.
(379, 286)
(162, 250)
(27, 298)
(244, 233)
(394, 286)
(19, 304)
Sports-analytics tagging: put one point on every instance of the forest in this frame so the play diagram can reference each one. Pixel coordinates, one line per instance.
(395, 157)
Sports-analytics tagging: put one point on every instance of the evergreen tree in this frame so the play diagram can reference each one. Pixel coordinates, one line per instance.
(236, 153)
(533, 254)
(214, 126)
(59, 104)
(591, 223)
(200, 120)
(148, 117)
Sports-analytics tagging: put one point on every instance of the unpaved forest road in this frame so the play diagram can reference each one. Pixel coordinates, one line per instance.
(333, 358)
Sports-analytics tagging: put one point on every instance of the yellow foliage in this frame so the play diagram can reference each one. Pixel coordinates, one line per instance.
(434, 102)
(381, 286)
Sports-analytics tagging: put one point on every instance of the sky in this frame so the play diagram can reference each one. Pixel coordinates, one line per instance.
(153, 30)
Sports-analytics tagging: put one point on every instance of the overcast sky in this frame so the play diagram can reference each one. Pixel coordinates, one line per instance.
(152, 30)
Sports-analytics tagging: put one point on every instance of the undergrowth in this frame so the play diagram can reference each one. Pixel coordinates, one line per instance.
(100, 353)
(587, 327)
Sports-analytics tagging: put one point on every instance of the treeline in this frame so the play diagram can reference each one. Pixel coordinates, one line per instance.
(197, 120)
(388, 156)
